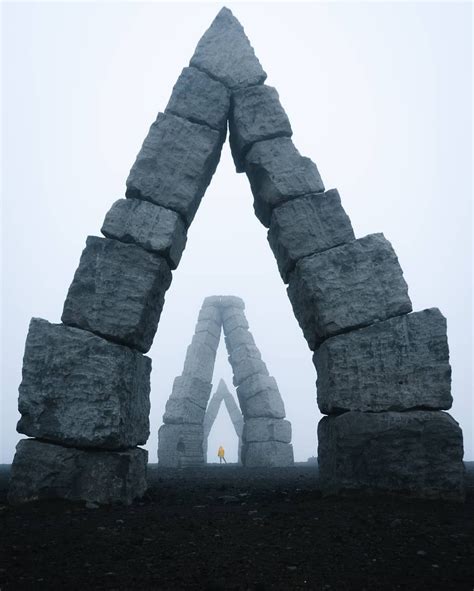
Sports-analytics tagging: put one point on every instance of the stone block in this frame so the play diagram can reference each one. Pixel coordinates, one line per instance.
(247, 367)
(150, 226)
(211, 313)
(81, 390)
(256, 114)
(118, 292)
(397, 364)
(183, 410)
(225, 53)
(244, 352)
(192, 388)
(175, 165)
(200, 99)
(277, 173)
(263, 429)
(235, 321)
(347, 287)
(237, 338)
(307, 225)
(208, 326)
(224, 302)
(271, 454)
(47, 471)
(207, 338)
(199, 362)
(180, 446)
(259, 397)
(418, 453)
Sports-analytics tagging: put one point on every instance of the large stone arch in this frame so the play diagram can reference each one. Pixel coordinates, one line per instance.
(383, 373)
(266, 434)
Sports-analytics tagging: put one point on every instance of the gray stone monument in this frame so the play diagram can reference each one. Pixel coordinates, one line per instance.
(264, 435)
(384, 376)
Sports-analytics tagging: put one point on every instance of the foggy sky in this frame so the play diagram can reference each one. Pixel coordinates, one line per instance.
(378, 95)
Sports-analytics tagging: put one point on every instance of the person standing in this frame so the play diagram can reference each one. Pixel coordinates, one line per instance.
(221, 454)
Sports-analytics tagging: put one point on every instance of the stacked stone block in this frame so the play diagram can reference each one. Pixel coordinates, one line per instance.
(383, 373)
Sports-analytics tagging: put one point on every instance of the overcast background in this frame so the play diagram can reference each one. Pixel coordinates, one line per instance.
(378, 95)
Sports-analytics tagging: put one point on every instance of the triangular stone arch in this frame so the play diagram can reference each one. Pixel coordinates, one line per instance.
(383, 373)
(266, 435)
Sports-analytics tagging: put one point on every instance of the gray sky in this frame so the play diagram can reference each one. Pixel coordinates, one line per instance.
(378, 95)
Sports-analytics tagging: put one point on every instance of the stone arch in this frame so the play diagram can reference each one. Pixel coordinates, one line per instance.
(85, 388)
(265, 433)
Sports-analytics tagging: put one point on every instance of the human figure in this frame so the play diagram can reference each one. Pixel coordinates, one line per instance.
(221, 454)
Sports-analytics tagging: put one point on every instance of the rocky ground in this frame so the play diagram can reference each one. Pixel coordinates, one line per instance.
(224, 527)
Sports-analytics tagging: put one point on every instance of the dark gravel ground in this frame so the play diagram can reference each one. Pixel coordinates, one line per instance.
(228, 528)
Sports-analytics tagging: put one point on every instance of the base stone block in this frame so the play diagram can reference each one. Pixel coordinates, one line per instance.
(180, 446)
(47, 471)
(398, 364)
(418, 453)
(271, 454)
(81, 390)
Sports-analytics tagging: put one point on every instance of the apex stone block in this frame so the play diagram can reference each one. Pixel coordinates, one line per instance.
(263, 429)
(347, 287)
(256, 114)
(192, 388)
(81, 390)
(118, 292)
(225, 53)
(200, 99)
(180, 446)
(175, 165)
(418, 453)
(307, 225)
(224, 302)
(46, 471)
(398, 364)
(277, 173)
(273, 454)
(154, 228)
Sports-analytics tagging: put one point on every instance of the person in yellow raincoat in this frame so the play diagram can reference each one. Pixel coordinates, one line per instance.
(221, 454)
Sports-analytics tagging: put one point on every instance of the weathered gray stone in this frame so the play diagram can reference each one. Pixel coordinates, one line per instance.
(266, 430)
(347, 287)
(118, 292)
(244, 352)
(150, 226)
(180, 446)
(237, 338)
(207, 338)
(225, 53)
(47, 471)
(307, 225)
(398, 364)
(79, 389)
(200, 99)
(414, 452)
(183, 410)
(210, 313)
(199, 361)
(247, 367)
(230, 311)
(277, 173)
(192, 388)
(256, 114)
(224, 302)
(259, 397)
(208, 326)
(175, 164)
(274, 454)
(235, 321)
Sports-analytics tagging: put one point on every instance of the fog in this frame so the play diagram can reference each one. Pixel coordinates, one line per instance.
(378, 95)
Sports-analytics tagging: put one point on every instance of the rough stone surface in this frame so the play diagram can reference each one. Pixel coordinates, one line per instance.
(211, 313)
(118, 292)
(267, 454)
(79, 389)
(277, 173)
(235, 321)
(259, 397)
(207, 338)
(225, 53)
(150, 226)
(305, 226)
(347, 287)
(180, 446)
(247, 367)
(199, 362)
(46, 471)
(244, 352)
(175, 164)
(192, 388)
(414, 452)
(256, 114)
(267, 430)
(237, 338)
(208, 326)
(224, 302)
(398, 364)
(183, 410)
(200, 99)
